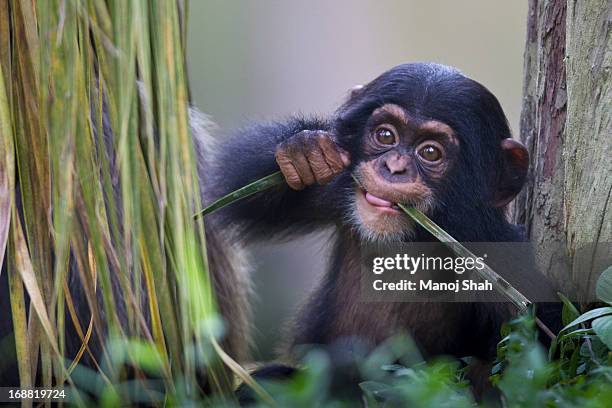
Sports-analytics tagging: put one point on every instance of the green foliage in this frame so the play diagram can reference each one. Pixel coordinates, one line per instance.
(576, 372)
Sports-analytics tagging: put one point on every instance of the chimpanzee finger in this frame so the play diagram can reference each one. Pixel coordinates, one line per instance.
(289, 172)
(333, 154)
(320, 168)
(302, 166)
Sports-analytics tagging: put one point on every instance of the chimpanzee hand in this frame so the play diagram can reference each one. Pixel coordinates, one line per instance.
(310, 156)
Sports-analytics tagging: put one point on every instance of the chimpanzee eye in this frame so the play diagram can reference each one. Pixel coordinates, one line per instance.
(430, 153)
(384, 136)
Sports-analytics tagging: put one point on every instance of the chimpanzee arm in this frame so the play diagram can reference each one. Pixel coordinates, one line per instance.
(302, 204)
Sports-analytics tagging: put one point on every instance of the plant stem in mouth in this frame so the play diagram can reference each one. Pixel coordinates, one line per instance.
(274, 179)
(499, 283)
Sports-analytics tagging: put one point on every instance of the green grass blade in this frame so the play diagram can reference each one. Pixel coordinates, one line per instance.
(20, 325)
(262, 184)
(7, 168)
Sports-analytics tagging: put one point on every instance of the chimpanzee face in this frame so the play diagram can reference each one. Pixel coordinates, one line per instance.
(404, 159)
(425, 135)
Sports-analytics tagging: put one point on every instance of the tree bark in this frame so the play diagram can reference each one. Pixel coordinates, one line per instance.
(565, 124)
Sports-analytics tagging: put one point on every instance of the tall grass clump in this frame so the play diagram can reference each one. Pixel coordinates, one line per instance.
(118, 211)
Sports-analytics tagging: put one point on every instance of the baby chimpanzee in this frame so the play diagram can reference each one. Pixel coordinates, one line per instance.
(421, 134)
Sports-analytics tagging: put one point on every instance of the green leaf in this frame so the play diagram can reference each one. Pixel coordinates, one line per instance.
(591, 314)
(576, 333)
(264, 183)
(603, 328)
(569, 313)
(604, 286)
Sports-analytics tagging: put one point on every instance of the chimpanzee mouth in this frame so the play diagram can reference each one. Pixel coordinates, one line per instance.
(380, 204)
(378, 219)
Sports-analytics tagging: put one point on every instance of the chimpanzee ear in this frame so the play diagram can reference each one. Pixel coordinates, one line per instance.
(514, 171)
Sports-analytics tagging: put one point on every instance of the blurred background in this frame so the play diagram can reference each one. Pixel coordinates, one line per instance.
(270, 58)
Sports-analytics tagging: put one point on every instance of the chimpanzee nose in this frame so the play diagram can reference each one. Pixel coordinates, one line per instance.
(396, 163)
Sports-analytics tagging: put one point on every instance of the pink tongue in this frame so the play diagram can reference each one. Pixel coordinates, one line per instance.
(377, 201)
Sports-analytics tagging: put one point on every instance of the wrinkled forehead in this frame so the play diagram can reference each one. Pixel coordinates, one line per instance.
(400, 116)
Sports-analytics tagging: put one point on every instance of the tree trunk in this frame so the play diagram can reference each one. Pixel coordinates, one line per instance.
(565, 124)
